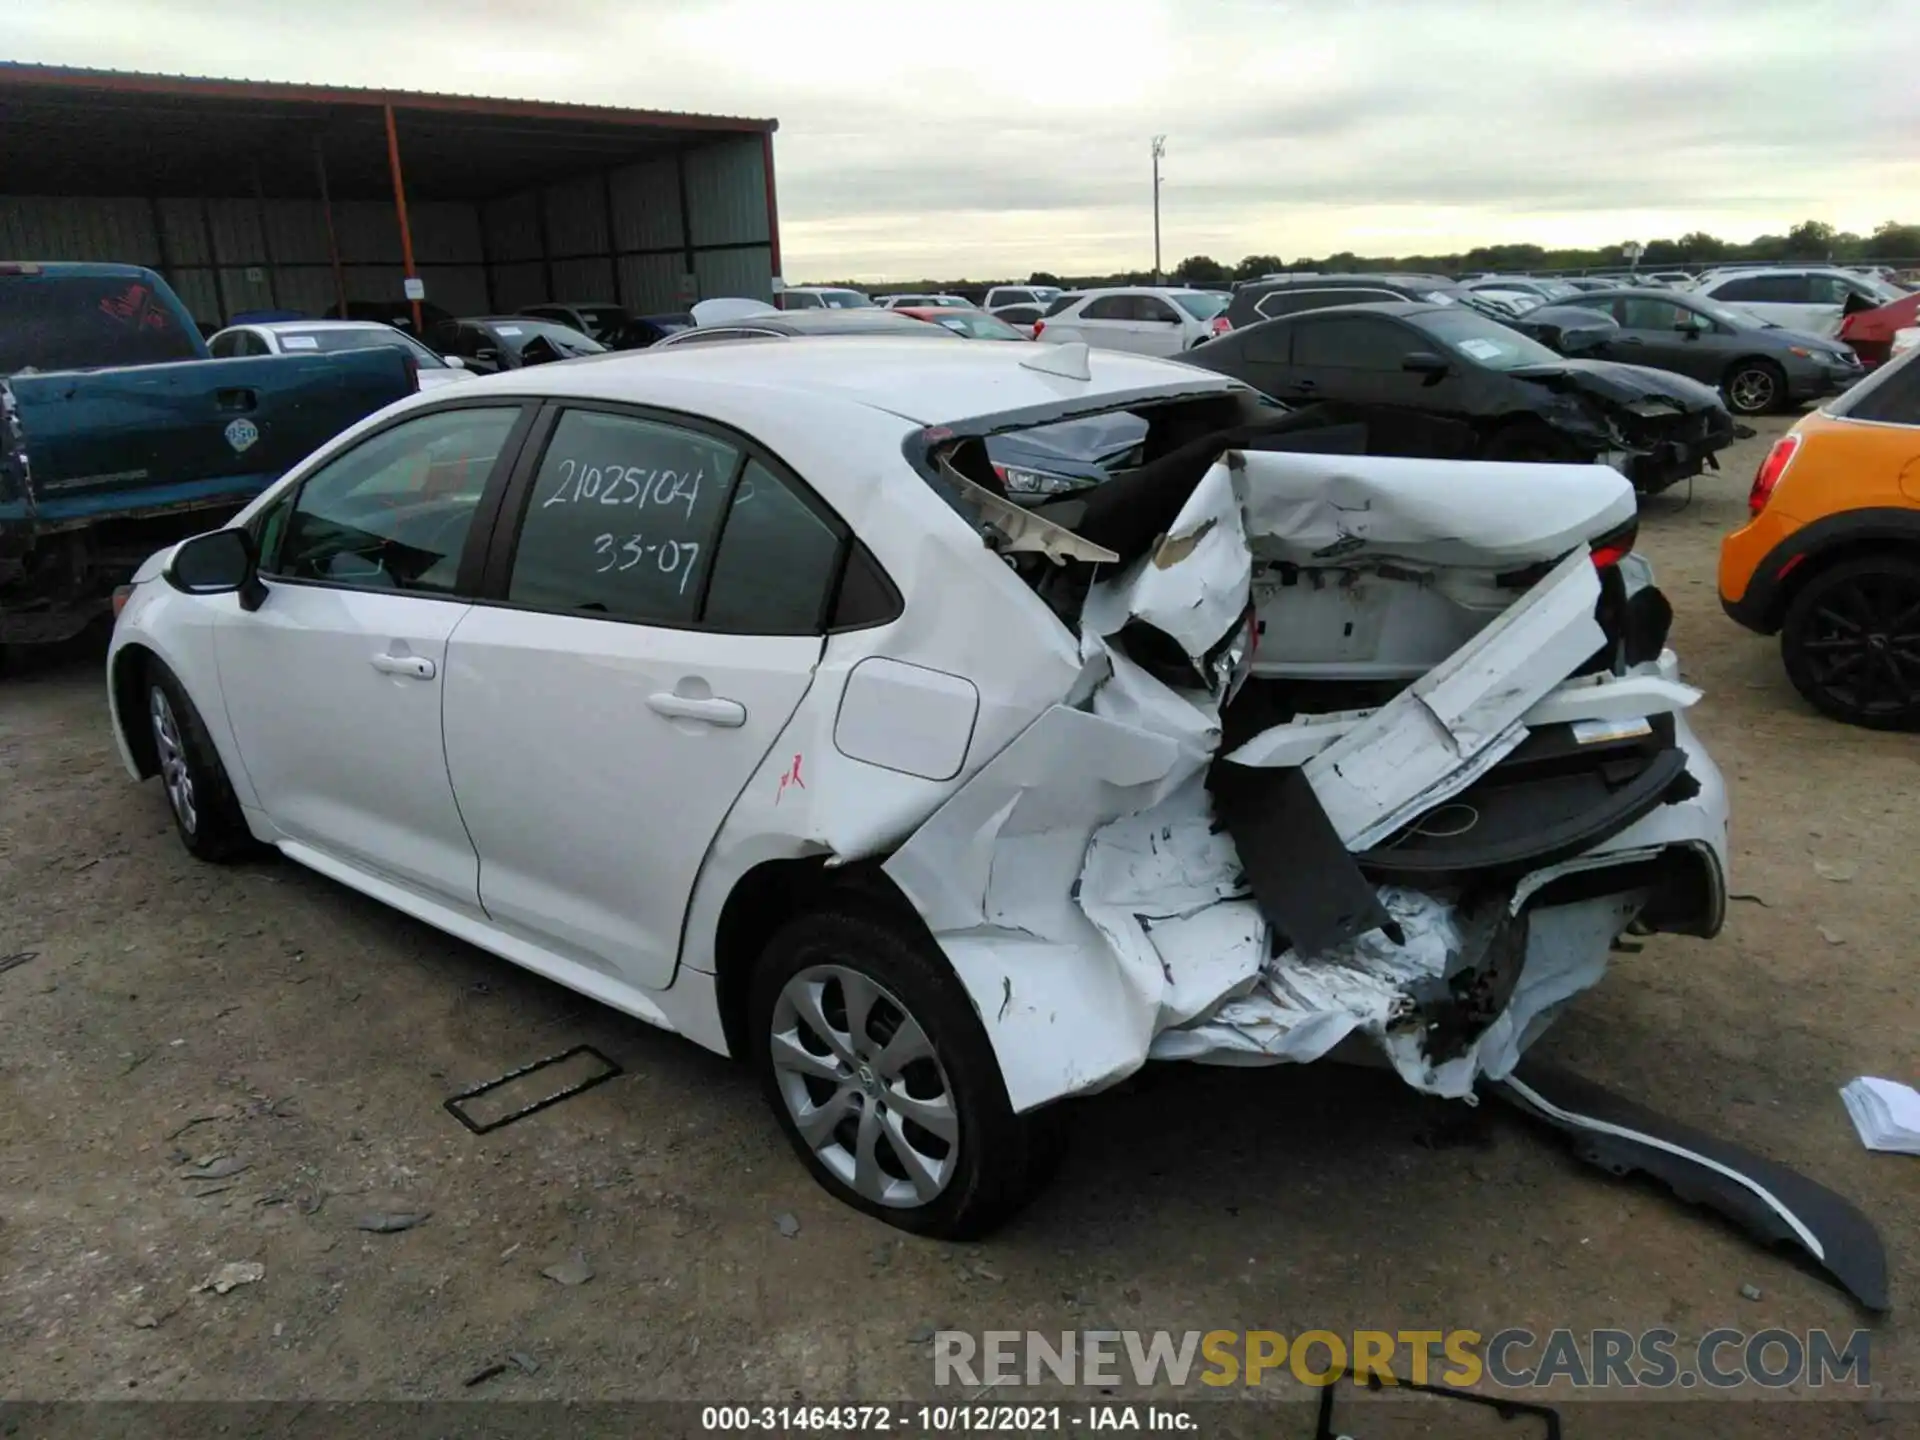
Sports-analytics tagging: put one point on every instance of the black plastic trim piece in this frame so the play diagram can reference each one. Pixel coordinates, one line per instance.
(1770, 1201)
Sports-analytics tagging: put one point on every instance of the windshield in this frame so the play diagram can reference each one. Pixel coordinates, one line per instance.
(359, 338)
(74, 322)
(563, 338)
(1203, 304)
(1485, 342)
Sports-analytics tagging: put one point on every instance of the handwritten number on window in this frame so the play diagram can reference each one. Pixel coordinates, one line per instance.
(670, 557)
(631, 485)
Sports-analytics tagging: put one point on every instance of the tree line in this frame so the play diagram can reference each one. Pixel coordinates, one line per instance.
(1811, 240)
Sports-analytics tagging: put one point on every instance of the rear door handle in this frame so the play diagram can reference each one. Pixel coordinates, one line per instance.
(417, 667)
(728, 713)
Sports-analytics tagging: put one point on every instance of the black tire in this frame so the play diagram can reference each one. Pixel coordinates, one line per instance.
(1529, 440)
(1851, 642)
(997, 1159)
(206, 814)
(1754, 387)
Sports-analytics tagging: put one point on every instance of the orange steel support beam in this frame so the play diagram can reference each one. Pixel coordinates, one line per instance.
(400, 207)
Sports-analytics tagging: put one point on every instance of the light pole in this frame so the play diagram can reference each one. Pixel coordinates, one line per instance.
(1159, 149)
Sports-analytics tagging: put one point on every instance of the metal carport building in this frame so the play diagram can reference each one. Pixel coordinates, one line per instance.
(255, 196)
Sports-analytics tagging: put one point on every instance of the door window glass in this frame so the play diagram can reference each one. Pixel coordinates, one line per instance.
(1640, 312)
(621, 520)
(1108, 307)
(1352, 344)
(392, 513)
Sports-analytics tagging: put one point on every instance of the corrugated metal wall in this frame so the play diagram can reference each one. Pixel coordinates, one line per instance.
(622, 236)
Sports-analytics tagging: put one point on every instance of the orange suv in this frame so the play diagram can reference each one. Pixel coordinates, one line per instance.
(1831, 558)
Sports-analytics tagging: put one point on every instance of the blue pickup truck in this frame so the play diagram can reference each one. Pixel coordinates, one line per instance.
(120, 435)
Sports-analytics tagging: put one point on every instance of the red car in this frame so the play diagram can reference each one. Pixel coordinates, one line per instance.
(1870, 332)
(967, 324)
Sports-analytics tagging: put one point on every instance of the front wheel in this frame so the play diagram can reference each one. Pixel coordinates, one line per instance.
(882, 1077)
(1851, 642)
(205, 811)
(1755, 387)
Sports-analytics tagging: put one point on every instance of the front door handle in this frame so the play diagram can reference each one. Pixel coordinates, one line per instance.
(241, 400)
(728, 713)
(417, 667)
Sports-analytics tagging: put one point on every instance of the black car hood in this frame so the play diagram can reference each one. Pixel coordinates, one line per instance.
(1621, 384)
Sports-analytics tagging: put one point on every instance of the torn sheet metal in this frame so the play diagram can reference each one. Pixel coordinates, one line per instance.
(1301, 1008)
(1778, 1205)
(1307, 882)
(1590, 697)
(1315, 509)
(1101, 907)
(1193, 586)
(1462, 716)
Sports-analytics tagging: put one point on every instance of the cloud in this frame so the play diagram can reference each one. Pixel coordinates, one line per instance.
(931, 137)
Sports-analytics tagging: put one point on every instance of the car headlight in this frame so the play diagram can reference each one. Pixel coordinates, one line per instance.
(1021, 481)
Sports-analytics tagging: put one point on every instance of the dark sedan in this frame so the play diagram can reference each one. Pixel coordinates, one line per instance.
(1757, 365)
(1518, 399)
(489, 343)
(791, 323)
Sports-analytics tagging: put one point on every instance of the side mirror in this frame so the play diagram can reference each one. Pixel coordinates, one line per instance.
(486, 361)
(220, 562)
(454, 362)
(1425, 362)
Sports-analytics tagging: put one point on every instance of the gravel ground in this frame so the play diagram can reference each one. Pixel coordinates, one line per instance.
(262, 1017)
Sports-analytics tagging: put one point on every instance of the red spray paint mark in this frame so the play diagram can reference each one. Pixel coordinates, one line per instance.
(792, 777)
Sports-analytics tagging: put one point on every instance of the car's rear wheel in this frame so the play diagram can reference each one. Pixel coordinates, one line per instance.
(205, 811)
(882, 1077)
(1851, 642)
(1755, 387)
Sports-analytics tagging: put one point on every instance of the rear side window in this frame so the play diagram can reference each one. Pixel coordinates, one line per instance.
(1012, 297)
(1268, 344)
(1291, 301)
(1109, 307)
(1059, 303)
(621, 519)
(76, 322)
(774, 572)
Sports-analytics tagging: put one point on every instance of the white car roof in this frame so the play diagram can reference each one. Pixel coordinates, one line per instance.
(782, 379)
(1142, 290)
(276, 326)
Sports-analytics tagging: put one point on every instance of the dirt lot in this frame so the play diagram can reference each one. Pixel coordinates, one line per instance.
(178, 1013)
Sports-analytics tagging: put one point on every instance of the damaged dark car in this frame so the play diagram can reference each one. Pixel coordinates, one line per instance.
(1503, 395)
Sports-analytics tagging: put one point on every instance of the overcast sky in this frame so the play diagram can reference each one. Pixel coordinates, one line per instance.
(988, 138)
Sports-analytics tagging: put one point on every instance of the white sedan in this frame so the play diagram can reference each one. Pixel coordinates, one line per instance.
(309, 337)
(727, 685)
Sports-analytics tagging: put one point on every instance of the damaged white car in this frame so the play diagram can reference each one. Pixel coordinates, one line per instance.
(728, 686)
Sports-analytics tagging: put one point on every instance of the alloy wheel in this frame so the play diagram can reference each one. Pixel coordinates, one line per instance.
(1752, 391)
(174, 771)
(1862, 644)
(864, 1087)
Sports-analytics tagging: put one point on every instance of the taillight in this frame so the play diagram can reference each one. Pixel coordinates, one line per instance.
(1847, 325)
(121, 594)
(1038, 326)
(1771, 469)
(1221, 325)
(1614, 546)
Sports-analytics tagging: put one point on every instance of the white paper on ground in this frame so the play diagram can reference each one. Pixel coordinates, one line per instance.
(1885, 1113)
